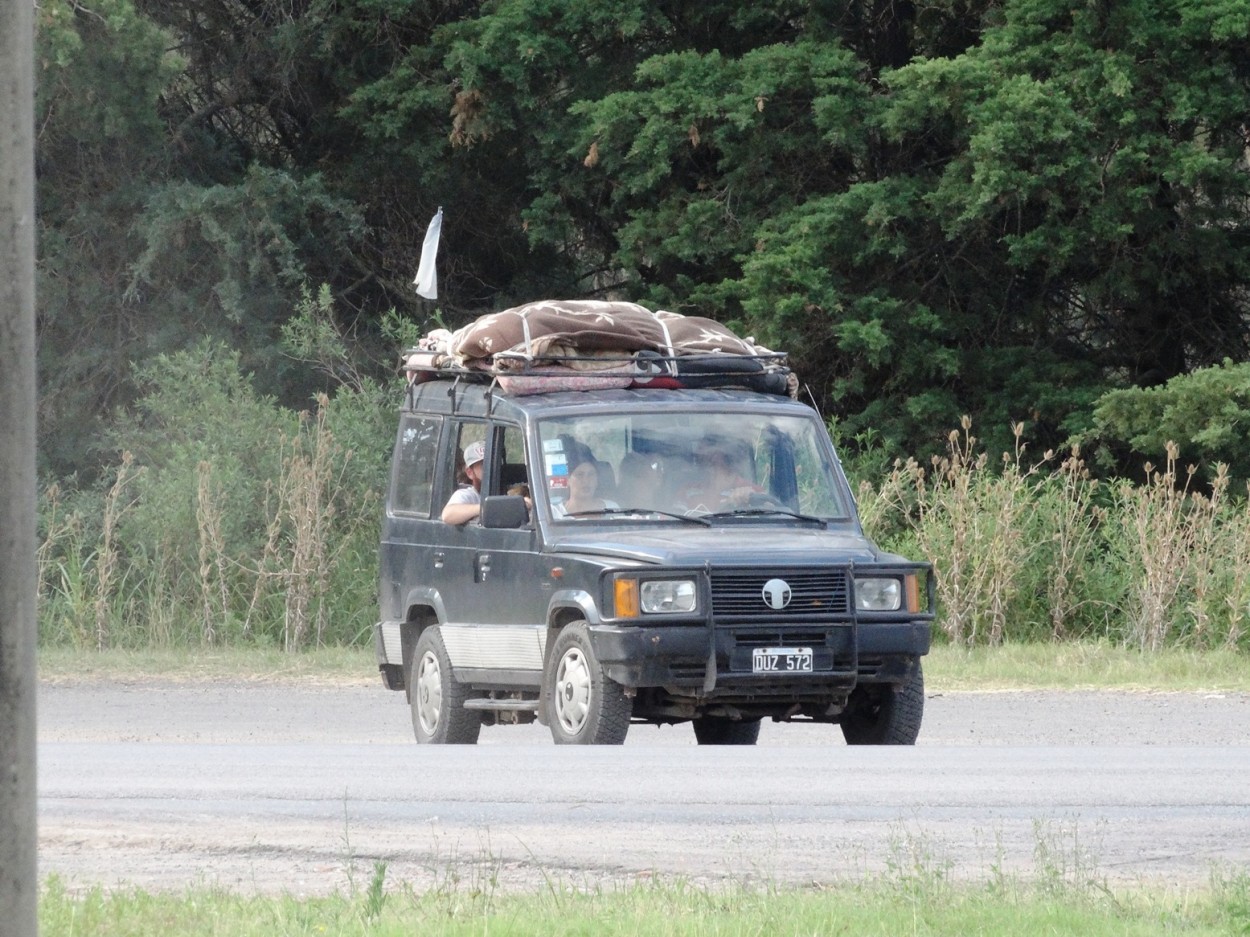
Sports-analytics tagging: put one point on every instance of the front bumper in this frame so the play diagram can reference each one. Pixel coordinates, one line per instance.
(693, 656)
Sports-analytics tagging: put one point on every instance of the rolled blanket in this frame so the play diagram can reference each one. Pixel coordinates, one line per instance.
(566, 356)
(587, 325)
(555, 378)
(695, 335)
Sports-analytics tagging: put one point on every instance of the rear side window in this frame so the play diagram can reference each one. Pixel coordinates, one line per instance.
(416, 456)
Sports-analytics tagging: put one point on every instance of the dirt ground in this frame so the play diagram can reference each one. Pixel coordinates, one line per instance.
(198, 711)
(301, 789)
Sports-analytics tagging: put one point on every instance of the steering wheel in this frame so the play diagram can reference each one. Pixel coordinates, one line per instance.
(759, 499)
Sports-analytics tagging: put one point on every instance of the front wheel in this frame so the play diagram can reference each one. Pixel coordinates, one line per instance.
(885, 714)
(584, 707)
(716, 730)
(437, 698)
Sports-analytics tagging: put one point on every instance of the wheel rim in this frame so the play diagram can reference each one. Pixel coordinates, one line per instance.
(573, 688)
(429, 693)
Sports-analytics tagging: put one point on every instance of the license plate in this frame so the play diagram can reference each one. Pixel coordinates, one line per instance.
(781, 660)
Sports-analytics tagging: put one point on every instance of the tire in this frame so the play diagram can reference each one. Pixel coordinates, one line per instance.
(715, 730)
(885, 715)
(437, 698)
(584, 707)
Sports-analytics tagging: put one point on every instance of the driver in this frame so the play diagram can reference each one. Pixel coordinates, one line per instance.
(720, 487)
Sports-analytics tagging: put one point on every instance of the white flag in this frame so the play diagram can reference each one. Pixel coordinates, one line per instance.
(427, 275)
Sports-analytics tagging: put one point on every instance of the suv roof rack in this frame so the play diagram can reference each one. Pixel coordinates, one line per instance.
(517, 375)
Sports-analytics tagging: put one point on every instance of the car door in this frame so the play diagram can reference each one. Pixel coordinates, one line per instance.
(496, 603)
(411, 529)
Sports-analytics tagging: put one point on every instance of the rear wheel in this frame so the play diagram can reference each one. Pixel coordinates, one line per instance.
(584, 707)
(885, 714)
(438, 713)
(716, 730)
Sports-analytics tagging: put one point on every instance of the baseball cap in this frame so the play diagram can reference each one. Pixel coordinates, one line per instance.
(474, 452)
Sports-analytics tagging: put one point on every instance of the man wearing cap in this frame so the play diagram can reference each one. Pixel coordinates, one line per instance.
(466, 503)
(721, 488)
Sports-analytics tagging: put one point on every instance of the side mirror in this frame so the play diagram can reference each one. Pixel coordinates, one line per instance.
(504, 511)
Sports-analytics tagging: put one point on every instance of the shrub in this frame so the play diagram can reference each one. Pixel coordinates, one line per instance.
(1205, 414)
(1042, 551)
(229, 519)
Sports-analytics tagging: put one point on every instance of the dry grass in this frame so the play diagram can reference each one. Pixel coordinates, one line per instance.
(970, 526)
(1026, 550)
(1033, 552)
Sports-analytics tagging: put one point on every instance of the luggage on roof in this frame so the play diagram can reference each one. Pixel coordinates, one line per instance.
(553, 345)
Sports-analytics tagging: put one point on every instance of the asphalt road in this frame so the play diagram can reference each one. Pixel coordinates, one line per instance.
(304, 789)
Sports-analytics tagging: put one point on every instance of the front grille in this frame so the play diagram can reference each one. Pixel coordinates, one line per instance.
(739, 594)
(778, 637)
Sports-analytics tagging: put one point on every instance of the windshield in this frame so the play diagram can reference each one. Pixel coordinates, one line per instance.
(687, 463)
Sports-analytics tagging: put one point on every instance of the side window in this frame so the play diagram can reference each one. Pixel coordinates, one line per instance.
(512, 470)
(416, 457)
(464, 435)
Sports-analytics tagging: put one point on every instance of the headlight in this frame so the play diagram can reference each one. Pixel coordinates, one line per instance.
(878, 595)
(667, 596)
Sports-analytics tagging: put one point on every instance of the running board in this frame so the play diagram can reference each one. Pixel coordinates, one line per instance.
(503, 705)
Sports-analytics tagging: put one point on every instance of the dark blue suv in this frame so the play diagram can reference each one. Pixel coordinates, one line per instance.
(639, 555)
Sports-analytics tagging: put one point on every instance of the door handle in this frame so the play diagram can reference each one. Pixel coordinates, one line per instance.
(439, 559)
(483, 566)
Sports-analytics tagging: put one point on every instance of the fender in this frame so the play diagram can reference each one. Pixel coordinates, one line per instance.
(428, 596)
(578, 600)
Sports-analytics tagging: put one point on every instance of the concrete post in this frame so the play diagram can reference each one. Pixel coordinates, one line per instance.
(19, 882)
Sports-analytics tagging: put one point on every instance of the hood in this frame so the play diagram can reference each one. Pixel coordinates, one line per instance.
(731, 545)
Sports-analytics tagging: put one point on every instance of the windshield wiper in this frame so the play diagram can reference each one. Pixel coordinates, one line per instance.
(603, 512)
(762, 512)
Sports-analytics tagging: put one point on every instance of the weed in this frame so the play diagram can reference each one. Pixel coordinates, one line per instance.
(115, 504)
(914, 865)
(673, 908)
(1064, 865)
(1070, 520)
(375, 894)
(215, 601)
(969, 525)
(1232, 896)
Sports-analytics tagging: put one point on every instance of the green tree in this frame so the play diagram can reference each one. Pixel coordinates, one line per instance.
(1099, 175)
(1004, 227)
(160, 226)
(1205, 413)
(996, 208)
(100, 142)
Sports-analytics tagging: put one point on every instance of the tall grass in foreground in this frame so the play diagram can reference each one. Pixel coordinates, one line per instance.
(1040, 550)
(914, 904)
